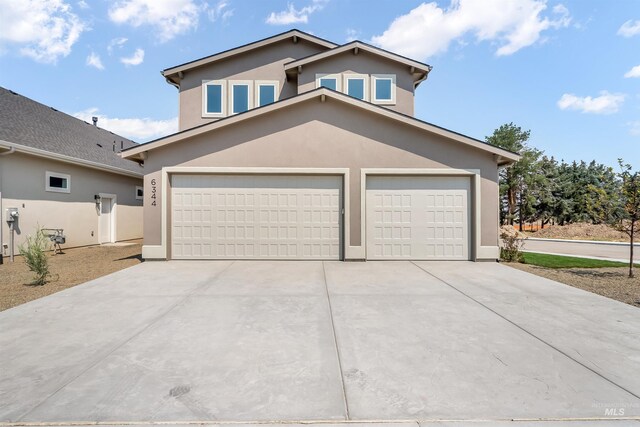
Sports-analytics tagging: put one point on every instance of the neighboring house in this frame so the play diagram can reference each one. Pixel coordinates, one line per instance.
(294, 147)
(61, 172)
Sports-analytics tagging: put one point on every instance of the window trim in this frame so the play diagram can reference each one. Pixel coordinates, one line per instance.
(50, 174)
(139, 187)
(259, 84)
(374, 98)
(223, 104)
(355, 76)
(250, 90)
(329, 76)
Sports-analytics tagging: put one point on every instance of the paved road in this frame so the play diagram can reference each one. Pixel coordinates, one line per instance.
(320, 341)
(598, 250)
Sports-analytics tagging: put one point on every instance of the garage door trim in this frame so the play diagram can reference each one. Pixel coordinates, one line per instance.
(475, 199)
(163, 252)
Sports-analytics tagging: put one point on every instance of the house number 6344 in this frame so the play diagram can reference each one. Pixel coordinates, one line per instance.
(153, 192)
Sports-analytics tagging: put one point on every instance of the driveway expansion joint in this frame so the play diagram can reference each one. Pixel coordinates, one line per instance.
(335, 342)
(529, 333)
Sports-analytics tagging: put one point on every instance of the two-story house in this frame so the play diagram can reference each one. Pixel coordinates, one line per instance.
(294, 147)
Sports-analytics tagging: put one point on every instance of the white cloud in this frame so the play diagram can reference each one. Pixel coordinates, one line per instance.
(136, 59)
(45, 29)
(168, 17)
(352, 35)
(220, 12)
(629, 28)
(82, 4)
(606, 103)
(511, 24)
(634, 72)
(116, 43)
(291, 15)
(134, 128)
(634, 128)
(94, 60)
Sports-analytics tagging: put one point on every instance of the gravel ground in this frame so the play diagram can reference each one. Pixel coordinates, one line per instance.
(609, 282)
(580, 231)
(72, 268)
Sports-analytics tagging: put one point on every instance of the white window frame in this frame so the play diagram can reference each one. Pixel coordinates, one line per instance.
(49, 174)
(250, 91)
(139, 187)
(374, 98)
(329, 76)
(259, 84)
(353, 76)
(223, 103)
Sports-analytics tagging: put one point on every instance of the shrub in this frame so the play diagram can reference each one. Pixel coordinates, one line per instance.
(512, 242)
(34, 252)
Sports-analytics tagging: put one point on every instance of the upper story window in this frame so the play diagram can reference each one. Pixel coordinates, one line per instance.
(241, 96)
(383, 88)
(330, 81)
(266, 92)
(356, 85)
(57, 182)
(213, 98)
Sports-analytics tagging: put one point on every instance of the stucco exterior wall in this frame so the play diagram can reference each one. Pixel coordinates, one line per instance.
(363, 63)
(22, 184)
(266, 63)
(324, 135)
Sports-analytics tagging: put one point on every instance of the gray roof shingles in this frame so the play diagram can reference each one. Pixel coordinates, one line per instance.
(26, 122)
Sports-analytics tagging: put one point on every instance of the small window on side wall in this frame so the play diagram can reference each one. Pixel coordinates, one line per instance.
(139, 192)
(383, 88)
(355, 85)
(266, 92)
(241, 98)
(330, 81)
(57, 182)
(213, 97)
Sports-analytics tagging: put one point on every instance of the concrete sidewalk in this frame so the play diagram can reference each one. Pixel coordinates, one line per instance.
(596, 250)
(323, 342)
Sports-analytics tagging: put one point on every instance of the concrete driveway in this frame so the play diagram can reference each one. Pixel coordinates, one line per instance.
(403, 342)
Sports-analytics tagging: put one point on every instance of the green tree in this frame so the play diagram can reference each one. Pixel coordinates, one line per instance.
(518, 180)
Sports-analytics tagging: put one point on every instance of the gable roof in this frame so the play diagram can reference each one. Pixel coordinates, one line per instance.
(419, 69)
(30, 127)
(503, 157)
(294, 34)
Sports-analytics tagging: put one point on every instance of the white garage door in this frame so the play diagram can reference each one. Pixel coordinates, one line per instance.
(417, 218)
(255, 217)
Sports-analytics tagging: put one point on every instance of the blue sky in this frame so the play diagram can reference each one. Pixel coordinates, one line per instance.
(567, 70)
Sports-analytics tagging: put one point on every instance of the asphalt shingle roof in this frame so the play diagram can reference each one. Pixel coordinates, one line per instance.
(27, 122)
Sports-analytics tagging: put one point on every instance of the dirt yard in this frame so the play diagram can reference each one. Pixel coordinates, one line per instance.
(72, 268)
(609, 282)
(579, 231)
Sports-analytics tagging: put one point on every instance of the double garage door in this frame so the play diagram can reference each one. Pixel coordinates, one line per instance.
(300, 217)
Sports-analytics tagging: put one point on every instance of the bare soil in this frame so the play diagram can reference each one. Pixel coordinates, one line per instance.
(609, 282)
(580, 231)
(73, 267)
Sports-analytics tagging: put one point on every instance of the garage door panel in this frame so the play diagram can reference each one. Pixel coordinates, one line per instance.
(417, 217)
(256, 217)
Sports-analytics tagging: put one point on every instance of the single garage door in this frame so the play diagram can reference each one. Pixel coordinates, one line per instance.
(417, 217)
(255, 217)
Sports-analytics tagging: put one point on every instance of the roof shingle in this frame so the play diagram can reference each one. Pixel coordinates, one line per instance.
(26, 122)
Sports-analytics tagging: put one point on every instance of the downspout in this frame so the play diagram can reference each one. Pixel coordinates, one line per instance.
(11, 151)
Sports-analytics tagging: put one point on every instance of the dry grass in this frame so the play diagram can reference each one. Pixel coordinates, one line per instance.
(611, 282)
(72, 268)
(580, 231)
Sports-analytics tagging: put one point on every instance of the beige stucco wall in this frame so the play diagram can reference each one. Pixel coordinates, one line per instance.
(363, 63)
(266, 63)
(22, 182)
(324, 135)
